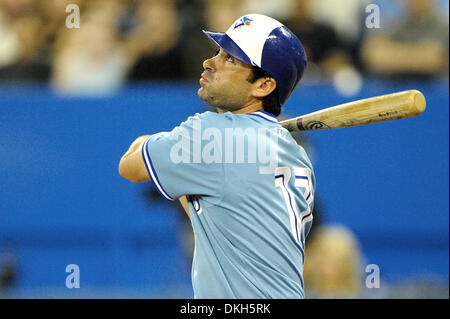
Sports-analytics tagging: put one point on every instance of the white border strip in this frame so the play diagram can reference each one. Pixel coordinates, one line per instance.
(267, 117)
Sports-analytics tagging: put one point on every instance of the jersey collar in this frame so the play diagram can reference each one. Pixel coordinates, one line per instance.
(265, 115)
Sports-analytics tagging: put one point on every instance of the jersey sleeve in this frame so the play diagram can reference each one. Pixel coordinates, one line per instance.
(174, 160)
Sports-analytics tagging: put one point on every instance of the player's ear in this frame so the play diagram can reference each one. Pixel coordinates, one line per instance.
(263, 87)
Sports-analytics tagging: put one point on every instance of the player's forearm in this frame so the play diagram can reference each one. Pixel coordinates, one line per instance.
(131, 165)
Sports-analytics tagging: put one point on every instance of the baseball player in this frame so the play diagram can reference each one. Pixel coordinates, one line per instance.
(246, 185)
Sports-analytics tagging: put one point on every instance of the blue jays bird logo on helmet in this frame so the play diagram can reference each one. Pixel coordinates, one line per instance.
(242, 21)
(269, 45)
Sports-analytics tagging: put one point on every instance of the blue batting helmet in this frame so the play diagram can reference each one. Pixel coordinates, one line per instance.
(266, 43)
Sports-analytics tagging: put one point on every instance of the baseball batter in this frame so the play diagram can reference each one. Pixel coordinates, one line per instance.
(246, 185)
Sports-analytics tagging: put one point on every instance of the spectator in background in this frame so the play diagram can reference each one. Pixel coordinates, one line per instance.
(8, 269)
(152, 37)
(91, 60)
(280, 10)
(218, 14)
(333, 265)
(330, 56)
(118, 41)
(20, 40)
(346, 18)
(416, 46)
(204, 15)
(53, 14)
(320, 41)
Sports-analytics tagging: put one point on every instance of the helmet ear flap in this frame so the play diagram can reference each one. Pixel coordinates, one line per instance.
(285, 59)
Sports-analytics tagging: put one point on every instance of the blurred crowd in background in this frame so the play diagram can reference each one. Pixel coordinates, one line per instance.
(120, 41)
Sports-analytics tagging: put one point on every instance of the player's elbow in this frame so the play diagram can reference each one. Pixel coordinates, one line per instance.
(129, 172)
(124, 170)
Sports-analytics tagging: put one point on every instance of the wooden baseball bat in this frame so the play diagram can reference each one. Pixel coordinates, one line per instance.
(376, 109)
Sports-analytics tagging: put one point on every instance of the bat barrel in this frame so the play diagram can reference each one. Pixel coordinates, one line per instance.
(419, 102)
(376, 109)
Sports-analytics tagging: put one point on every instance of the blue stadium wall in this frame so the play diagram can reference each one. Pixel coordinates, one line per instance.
(63, 202)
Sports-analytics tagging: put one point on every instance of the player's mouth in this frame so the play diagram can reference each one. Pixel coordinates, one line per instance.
(203, 79)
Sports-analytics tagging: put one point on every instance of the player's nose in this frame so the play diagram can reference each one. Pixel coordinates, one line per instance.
(208, 64)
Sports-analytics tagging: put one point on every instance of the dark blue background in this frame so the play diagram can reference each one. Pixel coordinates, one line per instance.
(62, 200)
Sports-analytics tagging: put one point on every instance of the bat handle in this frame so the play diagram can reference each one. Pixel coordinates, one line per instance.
(294, 124)
(290, 125)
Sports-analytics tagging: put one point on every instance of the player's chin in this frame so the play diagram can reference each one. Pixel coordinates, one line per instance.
(208, 99)
(201, 93)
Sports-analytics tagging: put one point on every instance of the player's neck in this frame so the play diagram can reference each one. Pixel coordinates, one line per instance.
(251, 108)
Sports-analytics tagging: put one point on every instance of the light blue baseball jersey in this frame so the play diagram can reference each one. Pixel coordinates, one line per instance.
(250, 189)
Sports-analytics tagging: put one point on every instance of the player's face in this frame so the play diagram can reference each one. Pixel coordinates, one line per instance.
(224, 82)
